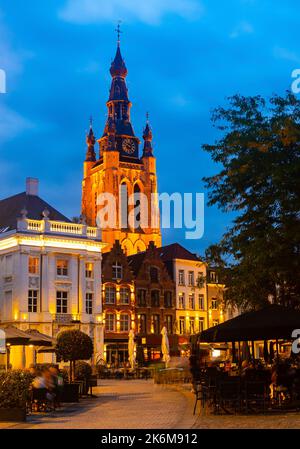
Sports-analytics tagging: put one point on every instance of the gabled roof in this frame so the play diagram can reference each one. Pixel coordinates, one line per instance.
(176, 251)
(135, 262)
(10, 210)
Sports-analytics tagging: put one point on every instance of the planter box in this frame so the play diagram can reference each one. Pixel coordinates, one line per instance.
(70, 393)
(12, 414)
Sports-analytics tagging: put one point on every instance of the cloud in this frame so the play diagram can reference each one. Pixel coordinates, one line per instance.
(10, 60)
(90, 67)
(149, 11)
(284, 53)
(12, 124)
(241, 28)
(179, 100)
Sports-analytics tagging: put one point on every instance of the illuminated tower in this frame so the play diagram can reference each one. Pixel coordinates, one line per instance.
(118, 164)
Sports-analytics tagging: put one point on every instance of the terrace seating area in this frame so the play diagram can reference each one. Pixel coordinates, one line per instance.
(252, 390)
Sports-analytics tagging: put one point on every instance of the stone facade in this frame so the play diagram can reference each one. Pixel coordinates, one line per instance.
(51, 281)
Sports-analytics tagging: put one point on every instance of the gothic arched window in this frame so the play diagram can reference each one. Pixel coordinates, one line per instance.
(137, 206)
(124, 205)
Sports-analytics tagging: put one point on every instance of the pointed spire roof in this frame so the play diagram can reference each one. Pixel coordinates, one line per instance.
(118, 67)
(147, 136)
(90, 141)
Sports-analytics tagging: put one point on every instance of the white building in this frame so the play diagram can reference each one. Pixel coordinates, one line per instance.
(50, 272)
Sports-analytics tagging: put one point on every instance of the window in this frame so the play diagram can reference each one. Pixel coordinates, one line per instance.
(61, 302)
(89, 270)
(117, 271)
(32, 301)
(182, 325)
(142, 324)
(191, 301)
(7, 305)
(191, 278)
(33, 265)
(213, 277)
(124, 295)
(201, 324)
(169, 324)
(215, 322)
(181, 277)
(137, 206)
(192, 325)
(141, 298)
(154, 298)
(156, 324)
(181, 302)
(201, 302)
(153, 274)
(62, 267)
(110, 322)
(124, 322)
(168, 299)
(89, 303)
(8, 265)
(200, 280)
(214, 304)
(110, 295)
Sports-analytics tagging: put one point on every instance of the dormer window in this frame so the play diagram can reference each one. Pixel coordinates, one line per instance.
(117, 271)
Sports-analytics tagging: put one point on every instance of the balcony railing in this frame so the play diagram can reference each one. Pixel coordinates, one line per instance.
(63, 318)
(58, 227)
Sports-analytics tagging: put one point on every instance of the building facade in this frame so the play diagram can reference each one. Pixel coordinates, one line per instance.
(215, 299)
(155, 301)
(189, 274)
(117, 171)
(199, 295)
(50, 272)
(118, 298)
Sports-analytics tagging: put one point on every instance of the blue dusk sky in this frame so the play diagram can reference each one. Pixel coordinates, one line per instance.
(184, 58)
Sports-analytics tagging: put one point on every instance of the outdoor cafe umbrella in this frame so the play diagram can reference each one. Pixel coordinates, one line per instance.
(165, 348)
(266, 352)
(131, 349)
(14, 337)
(246, 351)
(39, 339)
(271, 352)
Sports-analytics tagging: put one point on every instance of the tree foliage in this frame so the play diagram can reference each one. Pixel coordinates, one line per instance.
(259, 180)
(73, 345)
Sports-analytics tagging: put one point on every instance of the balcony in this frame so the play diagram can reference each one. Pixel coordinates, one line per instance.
(58, 228)
(63, 318)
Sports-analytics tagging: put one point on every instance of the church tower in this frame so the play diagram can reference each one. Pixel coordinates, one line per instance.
(118, 170)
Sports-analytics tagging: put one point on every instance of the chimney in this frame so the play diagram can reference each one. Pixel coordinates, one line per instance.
(32, 186)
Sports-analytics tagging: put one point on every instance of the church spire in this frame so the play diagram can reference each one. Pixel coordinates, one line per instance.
(90, 140)
(118, 106)
(147, 136)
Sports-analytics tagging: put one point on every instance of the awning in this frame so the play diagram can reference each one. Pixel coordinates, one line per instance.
(271, 322)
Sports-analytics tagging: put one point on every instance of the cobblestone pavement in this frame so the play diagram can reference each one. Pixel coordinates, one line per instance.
(122, 404)
(143, 405)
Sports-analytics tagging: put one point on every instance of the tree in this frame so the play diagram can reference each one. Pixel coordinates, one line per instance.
(259, 149)
(73, 345)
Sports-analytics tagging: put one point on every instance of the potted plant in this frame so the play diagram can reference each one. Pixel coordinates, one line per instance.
(14, 393)
(71, 346)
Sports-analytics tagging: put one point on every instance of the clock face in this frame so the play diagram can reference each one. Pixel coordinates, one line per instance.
(128, 146)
